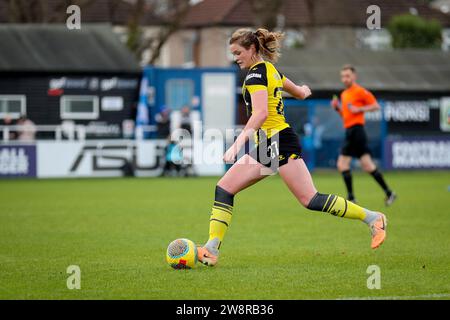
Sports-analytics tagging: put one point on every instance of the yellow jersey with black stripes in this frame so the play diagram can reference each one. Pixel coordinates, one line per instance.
(264, 76)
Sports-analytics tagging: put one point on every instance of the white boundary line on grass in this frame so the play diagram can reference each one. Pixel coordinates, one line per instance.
(424, 296)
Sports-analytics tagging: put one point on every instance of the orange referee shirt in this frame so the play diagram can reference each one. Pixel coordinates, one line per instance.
(358, 97)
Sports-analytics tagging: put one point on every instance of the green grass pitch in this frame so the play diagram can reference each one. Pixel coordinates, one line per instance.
(117, 231)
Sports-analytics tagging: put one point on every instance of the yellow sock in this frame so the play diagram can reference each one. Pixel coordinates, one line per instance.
(220, 220)
(340, 207)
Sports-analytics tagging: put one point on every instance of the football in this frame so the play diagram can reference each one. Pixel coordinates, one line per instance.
(182, 254)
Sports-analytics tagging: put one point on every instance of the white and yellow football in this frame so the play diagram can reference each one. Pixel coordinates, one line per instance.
(182, 254)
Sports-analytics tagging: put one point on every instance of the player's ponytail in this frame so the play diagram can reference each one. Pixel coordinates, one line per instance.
(266, 43)
(269, 43)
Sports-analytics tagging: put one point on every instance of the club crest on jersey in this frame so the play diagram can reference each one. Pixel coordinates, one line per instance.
(253, 75)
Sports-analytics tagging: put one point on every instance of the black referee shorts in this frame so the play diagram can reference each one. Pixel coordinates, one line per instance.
(355, 144)
(275, 151)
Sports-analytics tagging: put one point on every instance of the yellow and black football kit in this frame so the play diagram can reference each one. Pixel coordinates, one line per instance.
(276, 141)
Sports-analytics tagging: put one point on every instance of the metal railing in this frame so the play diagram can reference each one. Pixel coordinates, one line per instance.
(62, 132)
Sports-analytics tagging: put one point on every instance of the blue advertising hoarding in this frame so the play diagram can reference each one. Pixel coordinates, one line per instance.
(417, 152)
(17, 161)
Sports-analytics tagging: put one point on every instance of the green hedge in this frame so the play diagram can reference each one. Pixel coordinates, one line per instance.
(410, 31)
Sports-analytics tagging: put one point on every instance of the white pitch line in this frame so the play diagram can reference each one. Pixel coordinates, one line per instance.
(424, 296)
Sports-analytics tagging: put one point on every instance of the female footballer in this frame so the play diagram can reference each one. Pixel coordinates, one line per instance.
(276, 143)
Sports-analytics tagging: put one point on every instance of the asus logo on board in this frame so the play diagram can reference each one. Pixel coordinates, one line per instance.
(121, 154)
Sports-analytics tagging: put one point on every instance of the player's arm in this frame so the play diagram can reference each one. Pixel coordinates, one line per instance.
(298, 92)
(369, 108)
(370, 103)
(260, 113)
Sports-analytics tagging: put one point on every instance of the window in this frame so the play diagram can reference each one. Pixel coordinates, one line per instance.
(190, 43)
(79, 107)
(179, 92)
(112, 103)
(188, 59)
(373, 39)
(12, 106)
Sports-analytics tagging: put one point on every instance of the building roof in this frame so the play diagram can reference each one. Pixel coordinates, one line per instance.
(54, 48)
(99, 11)
(207, 13)
(303, 13)
(396, 70)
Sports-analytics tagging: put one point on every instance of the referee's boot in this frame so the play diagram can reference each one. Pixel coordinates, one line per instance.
(390, 199)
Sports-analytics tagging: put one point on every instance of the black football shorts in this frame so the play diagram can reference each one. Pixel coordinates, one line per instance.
(275, 151)
(355, 143)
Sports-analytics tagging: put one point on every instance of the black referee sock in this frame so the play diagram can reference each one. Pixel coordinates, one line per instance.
(379, 178)
(347, 175)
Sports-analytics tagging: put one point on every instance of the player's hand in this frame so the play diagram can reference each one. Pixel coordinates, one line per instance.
(335, 103)
(306, 91)
(230, 155)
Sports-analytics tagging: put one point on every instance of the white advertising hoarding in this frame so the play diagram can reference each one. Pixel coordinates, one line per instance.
(104, 158)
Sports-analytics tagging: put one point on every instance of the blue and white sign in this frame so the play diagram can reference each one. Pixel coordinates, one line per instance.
(17, 161)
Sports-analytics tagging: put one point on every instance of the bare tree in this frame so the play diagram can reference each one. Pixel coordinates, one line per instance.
(166, 14)
(311, 11)
(134, 29)
(23, 11)
(113, 6)
(169, 13)
(41, 11)
(266, 13)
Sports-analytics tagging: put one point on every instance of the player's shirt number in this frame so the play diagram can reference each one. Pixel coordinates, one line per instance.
(273, 149)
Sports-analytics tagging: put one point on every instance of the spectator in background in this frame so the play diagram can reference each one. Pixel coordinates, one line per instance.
(174, 159)
(187, 144)
(7, 121)
(27, 131)
(186, 119)
(163, 123)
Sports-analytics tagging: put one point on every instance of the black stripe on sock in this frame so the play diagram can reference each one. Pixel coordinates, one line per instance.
(221, 205)
(327, 199)
(345, 210)
(328, 204)
(334, 202)
(224, 196)
(223, 210)
(313, 200)
(219, 221)
(319, 201)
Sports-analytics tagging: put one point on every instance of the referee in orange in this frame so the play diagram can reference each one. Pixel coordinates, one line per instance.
(354, 102)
